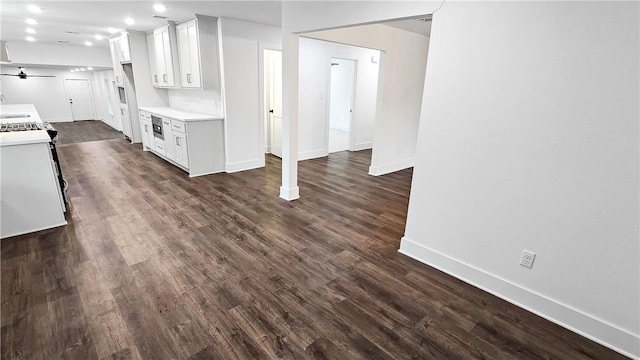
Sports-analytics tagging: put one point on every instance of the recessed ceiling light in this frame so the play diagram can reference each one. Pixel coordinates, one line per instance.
(129, 21)
(89, 68)
(31, 22)
(83, 69)
(159, 8)
(34, 9)
(76, 69)
(88, 43)
(30, 31)
(73, 70)
(30, 38)
(112, 30)
(99, 37)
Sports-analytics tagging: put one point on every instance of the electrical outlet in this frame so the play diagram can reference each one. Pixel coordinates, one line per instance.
(527, 258)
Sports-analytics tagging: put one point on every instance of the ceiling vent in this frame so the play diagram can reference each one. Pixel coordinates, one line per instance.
(158, 16)
(63, 41)
(72, 32)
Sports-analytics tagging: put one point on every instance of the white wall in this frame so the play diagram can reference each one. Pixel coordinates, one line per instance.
(242, 47)
(529, 139)
(400, 88)
(315, 75)
(26, 53)
(47, 94)
(107, 109)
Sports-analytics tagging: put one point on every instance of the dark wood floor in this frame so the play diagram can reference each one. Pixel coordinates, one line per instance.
(85, 131)
(155, 265)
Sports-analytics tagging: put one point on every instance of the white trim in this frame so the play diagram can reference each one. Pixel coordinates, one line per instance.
(564, 315)
(313, 154)
(35, 230)
(389, 168)
(57, 120)
(290, 194)
(244, 165)
(363, 146)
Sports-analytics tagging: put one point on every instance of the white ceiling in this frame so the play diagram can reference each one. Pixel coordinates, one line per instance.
(88, 18)
(413, 25)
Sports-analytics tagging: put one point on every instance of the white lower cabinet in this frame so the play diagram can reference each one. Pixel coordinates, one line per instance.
(180, 147)
(146, 130)
(195, 144)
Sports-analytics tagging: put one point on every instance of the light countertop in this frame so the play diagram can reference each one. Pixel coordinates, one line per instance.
(22, 137)
(179, 114)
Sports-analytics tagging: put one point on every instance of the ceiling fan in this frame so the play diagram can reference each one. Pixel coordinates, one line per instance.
(23, 75)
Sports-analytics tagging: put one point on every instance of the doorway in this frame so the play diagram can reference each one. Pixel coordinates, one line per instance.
(273, 102)
(341, 100)
(80, 98)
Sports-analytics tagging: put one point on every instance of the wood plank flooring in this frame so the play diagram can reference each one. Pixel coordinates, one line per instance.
(85, 131)
(155, 265)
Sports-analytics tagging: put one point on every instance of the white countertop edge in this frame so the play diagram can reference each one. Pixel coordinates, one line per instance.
(179, 114)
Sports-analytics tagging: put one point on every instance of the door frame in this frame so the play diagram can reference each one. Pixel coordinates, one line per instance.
(265, 127)
(353, 101)
(66, 93)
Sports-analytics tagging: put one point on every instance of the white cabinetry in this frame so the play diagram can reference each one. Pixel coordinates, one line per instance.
(165, 67)
(193, 142)
(115, 62)
(147, 130)
(198, 53)
(120, 53)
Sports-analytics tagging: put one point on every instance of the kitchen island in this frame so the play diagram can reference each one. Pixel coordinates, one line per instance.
(30, 194)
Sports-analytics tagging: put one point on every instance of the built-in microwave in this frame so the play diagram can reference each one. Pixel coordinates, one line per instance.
(156, 121)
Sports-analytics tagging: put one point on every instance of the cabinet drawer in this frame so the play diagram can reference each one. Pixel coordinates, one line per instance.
(177, 125)
(160, 146)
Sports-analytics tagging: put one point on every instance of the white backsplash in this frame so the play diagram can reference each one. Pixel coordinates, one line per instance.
(197, 101)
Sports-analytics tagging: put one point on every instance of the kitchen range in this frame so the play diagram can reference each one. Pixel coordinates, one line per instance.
(31, 182)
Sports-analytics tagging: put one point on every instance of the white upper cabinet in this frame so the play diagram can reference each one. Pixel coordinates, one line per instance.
(198, 53)
(125, 51)
(165, 66)
(114, 48)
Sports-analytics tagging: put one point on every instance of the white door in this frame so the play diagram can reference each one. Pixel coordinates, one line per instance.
(80, 98)
(343, 76)
(274, 100)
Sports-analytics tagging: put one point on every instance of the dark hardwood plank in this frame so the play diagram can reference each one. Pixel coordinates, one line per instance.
(157, 265)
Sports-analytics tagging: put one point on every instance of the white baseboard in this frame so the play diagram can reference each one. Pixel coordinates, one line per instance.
(573, 319)
(363, 146)
(312, 154)
(110, 124)
(244, 165)
(290, 194)
(57, 120)
(389, 168)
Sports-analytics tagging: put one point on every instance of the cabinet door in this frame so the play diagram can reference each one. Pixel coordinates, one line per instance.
(125, 52)
(145, 128)
(126, 122)
(166, 131)
(115, 62)
(188, 47)
(166, 41)
(180, 149)
(161, 65)
(193, 78)
(184, 54)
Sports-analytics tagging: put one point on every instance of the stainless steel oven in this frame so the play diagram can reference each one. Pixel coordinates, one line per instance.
(156, 121)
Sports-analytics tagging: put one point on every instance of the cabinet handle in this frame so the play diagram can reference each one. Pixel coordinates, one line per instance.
(121, 111)
(189, 78)
(164, 78)
(156, 78)
(176, 126)
(178, 141)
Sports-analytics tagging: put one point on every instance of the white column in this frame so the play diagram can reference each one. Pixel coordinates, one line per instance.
(290, 49)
